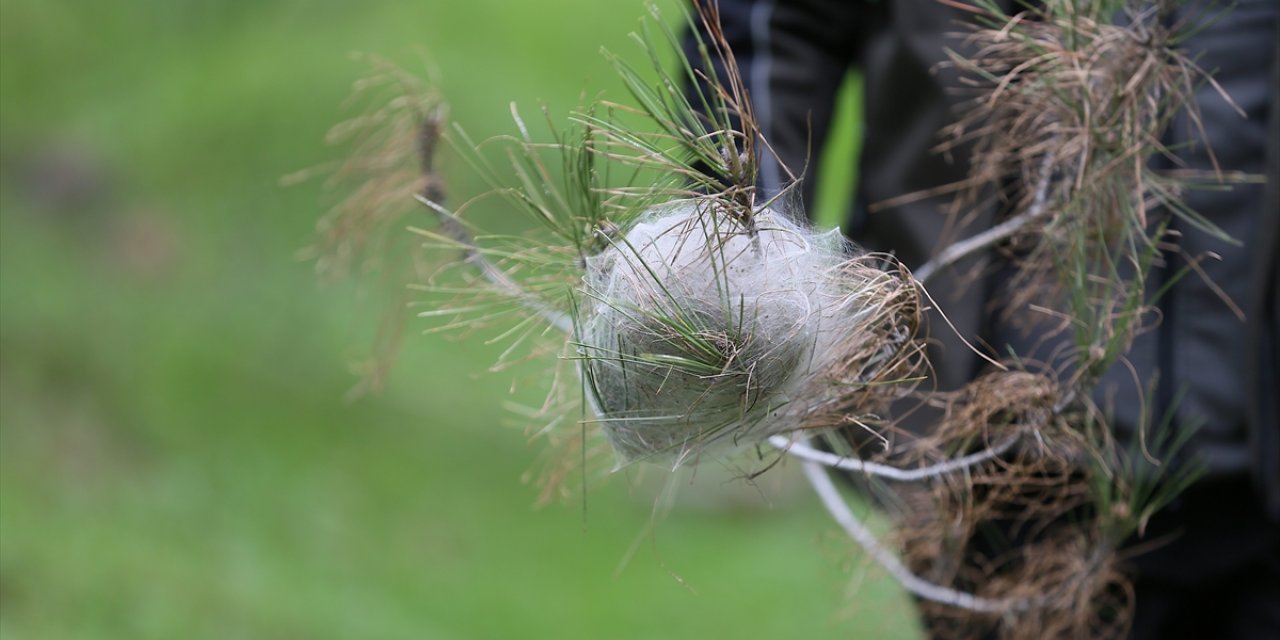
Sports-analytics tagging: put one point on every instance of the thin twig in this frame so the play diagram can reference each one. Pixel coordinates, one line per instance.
(965, 248)
(455, 230)
(805, 452)
(432, 195)
(843, 516)
(969, 246)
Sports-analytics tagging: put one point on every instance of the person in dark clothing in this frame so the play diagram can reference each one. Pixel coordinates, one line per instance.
(1214, 570)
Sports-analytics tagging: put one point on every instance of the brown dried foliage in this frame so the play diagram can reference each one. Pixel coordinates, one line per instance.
(1070, 107)
(390, 158)
(1018, 528)
(881, 359)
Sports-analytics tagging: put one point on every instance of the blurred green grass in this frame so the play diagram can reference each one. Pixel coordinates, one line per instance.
(176, 457)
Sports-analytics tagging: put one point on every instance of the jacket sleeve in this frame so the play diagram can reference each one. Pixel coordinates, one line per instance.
(793, 56)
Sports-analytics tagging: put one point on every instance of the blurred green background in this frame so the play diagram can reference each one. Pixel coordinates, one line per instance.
(177, 459)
